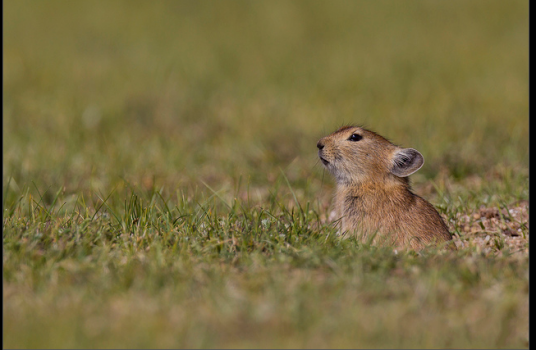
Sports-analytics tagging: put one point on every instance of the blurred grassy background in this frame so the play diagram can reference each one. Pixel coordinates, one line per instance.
(180, 91)
(168, 95)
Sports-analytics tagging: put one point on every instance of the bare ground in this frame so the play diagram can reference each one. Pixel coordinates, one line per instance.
(493, 229)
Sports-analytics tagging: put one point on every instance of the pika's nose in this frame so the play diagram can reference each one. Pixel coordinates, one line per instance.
(319, 144)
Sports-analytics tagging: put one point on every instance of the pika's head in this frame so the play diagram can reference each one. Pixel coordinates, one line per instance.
(354, 155)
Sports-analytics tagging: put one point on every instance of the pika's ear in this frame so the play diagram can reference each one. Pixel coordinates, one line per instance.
(406, 161)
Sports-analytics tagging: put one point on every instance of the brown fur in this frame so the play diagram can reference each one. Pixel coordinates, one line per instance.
(374, 199)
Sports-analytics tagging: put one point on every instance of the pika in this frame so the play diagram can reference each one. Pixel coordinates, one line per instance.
(374, 199)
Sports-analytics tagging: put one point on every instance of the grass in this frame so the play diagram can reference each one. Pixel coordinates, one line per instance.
(161, 186)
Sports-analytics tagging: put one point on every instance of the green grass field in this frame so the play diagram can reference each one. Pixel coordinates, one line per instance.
(161, 186)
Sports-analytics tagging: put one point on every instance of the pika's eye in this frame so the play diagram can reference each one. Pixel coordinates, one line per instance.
(355, 137)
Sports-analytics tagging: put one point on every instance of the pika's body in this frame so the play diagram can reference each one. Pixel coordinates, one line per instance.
(374, 198)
